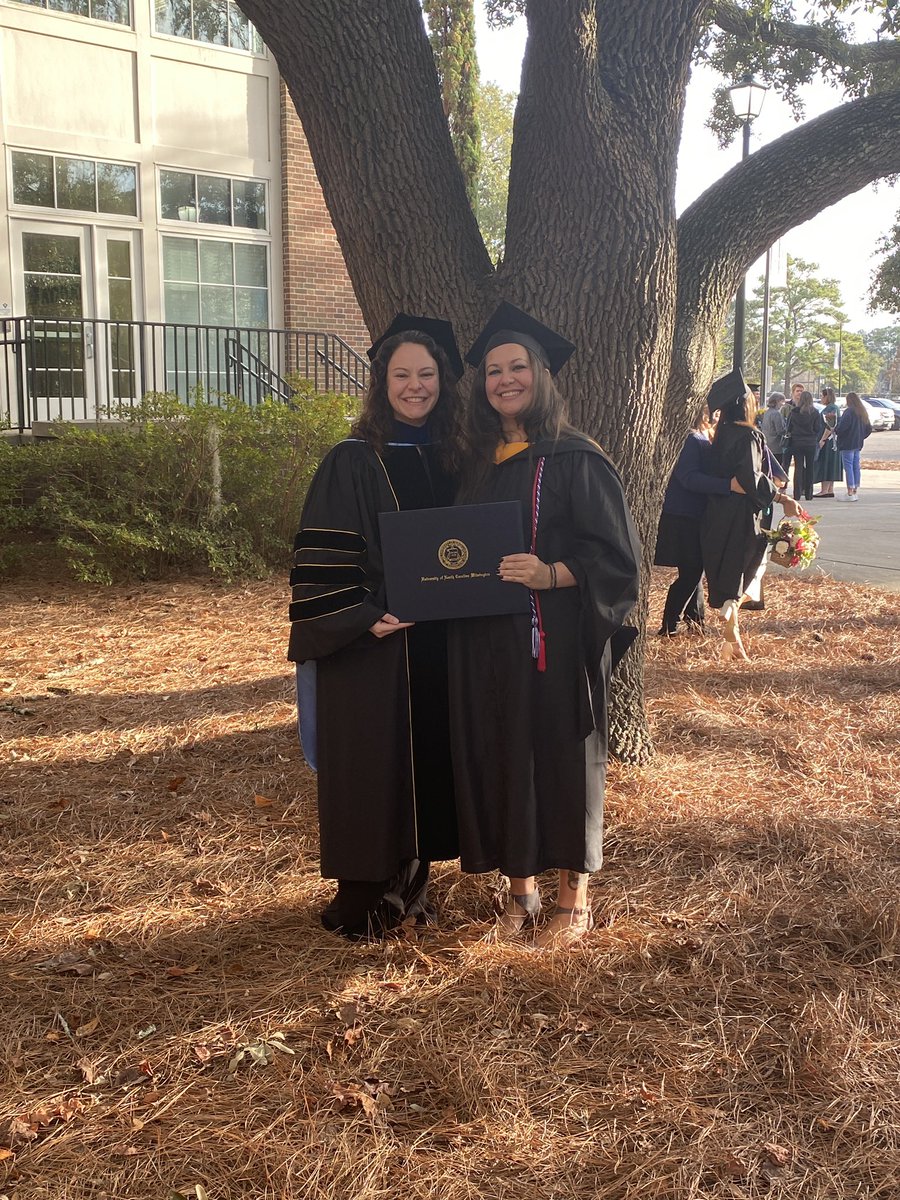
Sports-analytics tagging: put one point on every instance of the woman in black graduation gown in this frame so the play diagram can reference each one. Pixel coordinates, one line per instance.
(529, 693)
(732, 540)
(385, 780)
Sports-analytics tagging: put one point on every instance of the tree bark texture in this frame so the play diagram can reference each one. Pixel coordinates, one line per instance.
(593, 246)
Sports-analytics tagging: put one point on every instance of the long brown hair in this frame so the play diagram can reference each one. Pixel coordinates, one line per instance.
(375, 423)
(856, 405)
(545, 419)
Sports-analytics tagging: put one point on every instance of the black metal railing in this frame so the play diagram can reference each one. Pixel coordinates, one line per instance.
(89, 369)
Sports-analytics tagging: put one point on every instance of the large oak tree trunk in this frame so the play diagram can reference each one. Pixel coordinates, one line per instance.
(592, 246)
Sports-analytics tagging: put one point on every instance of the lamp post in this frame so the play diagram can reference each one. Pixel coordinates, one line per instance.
(747, 101)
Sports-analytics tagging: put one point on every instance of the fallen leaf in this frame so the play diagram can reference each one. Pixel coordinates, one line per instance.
(352, 1036)
(262, 801)
(4, 1153)
(349, 1013)
(88, 1070)
(780, 1155)
(177, 972)
(174, 784)
(200, 1192)
(202, 1053)
(146, 1032)
(84, 1030)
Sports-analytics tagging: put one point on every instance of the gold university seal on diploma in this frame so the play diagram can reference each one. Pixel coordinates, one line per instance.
(453, 554)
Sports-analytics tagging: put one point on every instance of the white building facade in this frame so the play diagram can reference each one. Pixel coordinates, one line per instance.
(141, 181)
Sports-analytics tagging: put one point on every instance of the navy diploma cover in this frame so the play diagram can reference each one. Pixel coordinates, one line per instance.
(441, 563)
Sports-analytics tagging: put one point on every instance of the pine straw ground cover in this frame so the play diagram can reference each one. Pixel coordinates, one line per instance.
(174, 1020)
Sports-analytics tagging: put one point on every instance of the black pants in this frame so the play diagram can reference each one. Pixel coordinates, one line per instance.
(684, 598)
(804, 458)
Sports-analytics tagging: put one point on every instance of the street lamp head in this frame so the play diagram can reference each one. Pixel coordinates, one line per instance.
(747, 98)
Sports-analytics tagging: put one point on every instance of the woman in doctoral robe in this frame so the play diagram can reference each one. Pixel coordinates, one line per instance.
(529, 691)
(385, 783)
(731, 535)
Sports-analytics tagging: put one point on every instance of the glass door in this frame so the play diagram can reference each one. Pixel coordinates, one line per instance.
(80, 285)
(53, 285)
(117, 347)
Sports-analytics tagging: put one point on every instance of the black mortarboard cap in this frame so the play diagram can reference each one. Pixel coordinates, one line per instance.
(729, 388)
(438, 330)
(510, 324)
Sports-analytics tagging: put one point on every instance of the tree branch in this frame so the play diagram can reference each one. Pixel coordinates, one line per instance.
(381, 145)
(735, 221)
(779, 187)
(826, 43)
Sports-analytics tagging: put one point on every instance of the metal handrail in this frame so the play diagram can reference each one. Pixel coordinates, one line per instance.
(86, 368)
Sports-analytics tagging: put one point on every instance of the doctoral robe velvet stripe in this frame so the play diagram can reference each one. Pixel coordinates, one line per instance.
(385, 779)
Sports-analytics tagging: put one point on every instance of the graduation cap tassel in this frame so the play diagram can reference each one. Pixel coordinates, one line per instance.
(538, 638)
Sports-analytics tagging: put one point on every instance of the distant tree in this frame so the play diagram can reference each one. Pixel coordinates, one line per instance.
(805, 319)
(451, 30)
(884, 343)
(496, 109)
(885, 290)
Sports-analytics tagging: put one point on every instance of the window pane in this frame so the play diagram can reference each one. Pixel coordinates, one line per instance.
(180, 258)
(51, 254)
(252, 307)
(217, 305)
(215, 200)
(177, 196)
(249, 204)
(182, 303)
(79, 7)
(120, 300)
(116, 11)
(216, 262)
(117, 189)
(118, 259)
(52, 296)
(250, 265)
(174, 16)
(256, 42)
(32, 178)
(211, 21)
(75, 187)
(238, 29)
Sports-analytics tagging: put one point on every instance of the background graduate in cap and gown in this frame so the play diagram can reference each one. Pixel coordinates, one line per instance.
(385, 783)
(732, 540)
(529, 692)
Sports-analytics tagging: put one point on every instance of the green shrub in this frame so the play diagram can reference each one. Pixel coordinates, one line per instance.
(174, 486)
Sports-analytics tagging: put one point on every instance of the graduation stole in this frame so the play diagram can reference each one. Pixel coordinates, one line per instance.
(538, 639)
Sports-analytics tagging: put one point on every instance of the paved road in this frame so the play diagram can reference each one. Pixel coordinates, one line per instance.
(883, 447)
(861, 542)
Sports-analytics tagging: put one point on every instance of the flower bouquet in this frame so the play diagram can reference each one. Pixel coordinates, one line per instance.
(794, 542)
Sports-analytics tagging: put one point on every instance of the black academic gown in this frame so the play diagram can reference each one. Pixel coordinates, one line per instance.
(529, 747)
(385, 781)
(731, 532)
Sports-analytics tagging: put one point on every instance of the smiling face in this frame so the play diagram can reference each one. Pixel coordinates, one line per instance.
(413, 383)
(509, 384)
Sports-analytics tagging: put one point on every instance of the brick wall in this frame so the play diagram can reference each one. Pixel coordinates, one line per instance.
(317, 290)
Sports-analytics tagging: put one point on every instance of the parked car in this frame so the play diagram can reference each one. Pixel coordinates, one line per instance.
(881, 415)
(894, 404)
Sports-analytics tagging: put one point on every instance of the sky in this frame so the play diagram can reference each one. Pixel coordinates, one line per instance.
(841, 239)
